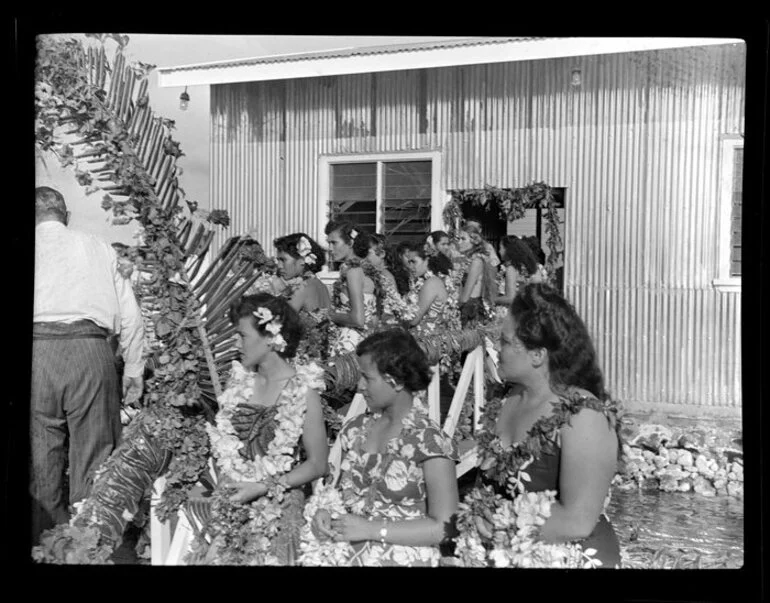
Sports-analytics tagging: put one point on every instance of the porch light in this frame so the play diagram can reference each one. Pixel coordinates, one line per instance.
(184, 99)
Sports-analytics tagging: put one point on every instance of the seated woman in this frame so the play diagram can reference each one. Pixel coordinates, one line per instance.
(299, 259)
(428, 294)
(478, 279)
(397, 489)
(371, 249)
(519, 267)
(395, 260)
(556, 434)
(271, 465)
(354, 304)
(541, 274)
(441, 242)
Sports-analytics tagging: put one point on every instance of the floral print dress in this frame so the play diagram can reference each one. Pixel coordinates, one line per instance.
(391, 485)
(343, 340)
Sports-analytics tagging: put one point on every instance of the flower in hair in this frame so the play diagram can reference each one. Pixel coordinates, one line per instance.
(304, 249)
(263, 315)
(273, 326)
(353, 233)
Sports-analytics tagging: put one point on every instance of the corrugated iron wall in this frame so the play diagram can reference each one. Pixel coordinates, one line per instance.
(636, 144)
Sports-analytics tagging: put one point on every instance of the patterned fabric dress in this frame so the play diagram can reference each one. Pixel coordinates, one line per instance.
(343, 340)
(391, 485)
(234, 458)
(543, 469)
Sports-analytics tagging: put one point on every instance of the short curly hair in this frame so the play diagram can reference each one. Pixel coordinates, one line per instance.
(366, 241)
(517, 253)
(437, 262)
(396, 353)
(545, 319)
(291, 326)
(288, 244)
(345, 228)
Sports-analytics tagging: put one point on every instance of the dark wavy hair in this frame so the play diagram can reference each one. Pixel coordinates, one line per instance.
(518, 254)
(437, 262)
(537, 250)
(544, 319)
(437, 235)
(344, 227)
(396, 353)
(393, 261)
(366, 241)
(288, 244)
(291, 327)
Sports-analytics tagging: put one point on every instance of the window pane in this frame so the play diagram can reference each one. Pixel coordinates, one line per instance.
(406, 199)
(737, 210)
(354, 193)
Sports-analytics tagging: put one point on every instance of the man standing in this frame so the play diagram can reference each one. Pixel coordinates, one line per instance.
(80, 299)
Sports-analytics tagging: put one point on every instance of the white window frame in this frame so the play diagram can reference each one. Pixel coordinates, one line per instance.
(725, 282)
(437, 197)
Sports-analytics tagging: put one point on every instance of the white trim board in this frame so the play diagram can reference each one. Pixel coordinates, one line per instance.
(226, 72)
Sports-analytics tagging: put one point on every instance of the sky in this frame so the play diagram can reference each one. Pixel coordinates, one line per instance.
(192, 126)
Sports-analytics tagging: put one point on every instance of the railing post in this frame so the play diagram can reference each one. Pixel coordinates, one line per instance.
(478, 387)
(434, 396)
(160, 532)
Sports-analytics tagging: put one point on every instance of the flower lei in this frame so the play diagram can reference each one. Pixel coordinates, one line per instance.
(513, 539)
(243, 533)
(279, 456)
(330, 552)
(323, 553)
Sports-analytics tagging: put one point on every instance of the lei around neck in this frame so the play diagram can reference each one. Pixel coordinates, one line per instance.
(501, 462)
(291, 406)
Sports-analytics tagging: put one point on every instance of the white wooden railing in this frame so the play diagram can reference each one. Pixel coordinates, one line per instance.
(168, 550)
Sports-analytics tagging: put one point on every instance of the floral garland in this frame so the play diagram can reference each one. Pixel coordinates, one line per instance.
(225, 443)
(513, 540)
(511, 204)
(241, 533)
(327, 552)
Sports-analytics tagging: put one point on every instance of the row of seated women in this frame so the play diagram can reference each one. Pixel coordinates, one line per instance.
(547, 453)
(427, 286)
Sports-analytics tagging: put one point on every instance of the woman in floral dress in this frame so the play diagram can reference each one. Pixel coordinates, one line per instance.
(478, 277)
(354, 304)
(264, 474)
(519, 267)
(435, 309)
(397, 489)
(555, 435)
(299, 260)
(390, 304)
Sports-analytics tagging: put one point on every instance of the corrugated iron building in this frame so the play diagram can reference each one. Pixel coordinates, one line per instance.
(635, 138)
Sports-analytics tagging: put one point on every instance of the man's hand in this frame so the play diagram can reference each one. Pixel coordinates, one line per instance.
(132, 390)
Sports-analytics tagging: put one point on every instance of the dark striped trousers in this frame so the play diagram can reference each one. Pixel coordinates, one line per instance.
(75, 415)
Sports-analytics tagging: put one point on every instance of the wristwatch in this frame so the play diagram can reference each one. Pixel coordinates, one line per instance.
(383, 531)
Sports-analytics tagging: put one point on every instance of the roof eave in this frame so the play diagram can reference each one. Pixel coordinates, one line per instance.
(525, 50)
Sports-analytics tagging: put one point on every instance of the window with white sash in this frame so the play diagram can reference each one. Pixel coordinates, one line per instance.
(392, 194)
(730, 214)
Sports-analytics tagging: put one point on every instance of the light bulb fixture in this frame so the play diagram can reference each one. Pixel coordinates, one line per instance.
(184, 100)
(576, 79)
